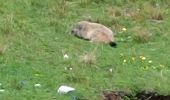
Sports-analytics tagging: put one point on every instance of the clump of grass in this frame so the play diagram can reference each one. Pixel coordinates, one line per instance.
(149, 11)
(113, 12)
(131, 12)
(59, 8)
(15, 84)
(75, 75)
(76, 78)
(88, 58)
(157, 14)
(2, 49)
(99, 1)
(141, 35)
(154, 11)
(8, 25)
(157, 11)
(84, 3)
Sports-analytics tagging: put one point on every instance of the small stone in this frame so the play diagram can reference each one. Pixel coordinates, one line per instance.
(65, 89)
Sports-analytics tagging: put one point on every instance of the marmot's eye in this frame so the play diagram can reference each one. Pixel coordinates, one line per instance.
(72, 31)
(80, 27)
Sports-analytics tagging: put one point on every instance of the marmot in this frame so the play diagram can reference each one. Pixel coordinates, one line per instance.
(94, 32)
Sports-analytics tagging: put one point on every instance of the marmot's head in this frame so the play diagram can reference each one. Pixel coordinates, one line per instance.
(80, 28)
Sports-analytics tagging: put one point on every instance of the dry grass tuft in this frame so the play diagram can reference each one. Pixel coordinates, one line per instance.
(59, 8)
(142, 35)
(8, 24)
(157, 14)
(84, 3)
(88, 58)
(2, 49)
(113, 12)
(149, 11)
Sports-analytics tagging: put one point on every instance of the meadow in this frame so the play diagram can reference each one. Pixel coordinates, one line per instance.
(34, 37)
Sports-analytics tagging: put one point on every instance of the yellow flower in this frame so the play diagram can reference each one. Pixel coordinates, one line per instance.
(124, 29)
(133, 58)
(142, 57)
(124, 60)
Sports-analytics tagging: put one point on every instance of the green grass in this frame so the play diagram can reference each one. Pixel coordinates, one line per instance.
(34, 37)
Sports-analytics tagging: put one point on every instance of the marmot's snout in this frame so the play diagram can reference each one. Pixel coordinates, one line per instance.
(74, 31)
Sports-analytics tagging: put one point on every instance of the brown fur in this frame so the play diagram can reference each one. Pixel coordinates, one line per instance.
(93, 31)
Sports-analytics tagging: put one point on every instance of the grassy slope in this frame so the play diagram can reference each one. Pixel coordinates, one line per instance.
(35, 35)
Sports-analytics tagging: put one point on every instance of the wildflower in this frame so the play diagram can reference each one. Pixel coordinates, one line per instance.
(150, 61)
(124, 29)
(162, 66)
(65, 89)
(124, 60)
(37, 85)
(142, 57)
(66, 56)
(133, 58)
(110, 69)
(2, 90)
(71, 68)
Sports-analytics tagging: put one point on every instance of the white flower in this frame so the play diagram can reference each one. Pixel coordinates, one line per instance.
(65, 89)
(2, 90)
(37, 85)
(150, 61)
(110, 69)
(66, 56)
(124, 60)
(71, 68)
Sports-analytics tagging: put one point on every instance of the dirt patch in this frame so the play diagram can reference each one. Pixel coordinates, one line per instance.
(111, 95)
(142, 95)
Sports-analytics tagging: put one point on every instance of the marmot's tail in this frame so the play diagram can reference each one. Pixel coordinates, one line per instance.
(113, 44)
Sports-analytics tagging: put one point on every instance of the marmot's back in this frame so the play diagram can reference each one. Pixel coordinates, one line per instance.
(94, 32)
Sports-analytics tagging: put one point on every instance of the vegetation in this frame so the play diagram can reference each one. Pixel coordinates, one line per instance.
(34, 37)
